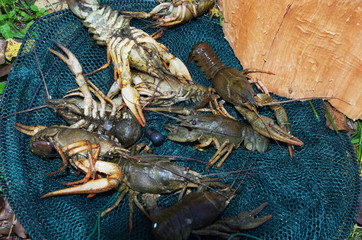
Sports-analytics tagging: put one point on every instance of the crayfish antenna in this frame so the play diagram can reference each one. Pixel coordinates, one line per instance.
(24, 111)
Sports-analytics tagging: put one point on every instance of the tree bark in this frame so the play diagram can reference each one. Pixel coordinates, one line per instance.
(314, 47)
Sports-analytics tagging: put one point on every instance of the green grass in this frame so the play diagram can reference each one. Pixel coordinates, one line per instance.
(356, 139)
(16, 16)
(356, 234)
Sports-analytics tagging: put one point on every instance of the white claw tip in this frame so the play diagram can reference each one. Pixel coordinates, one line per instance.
(178, 68)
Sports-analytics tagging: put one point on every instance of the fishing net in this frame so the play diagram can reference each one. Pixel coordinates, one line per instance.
(314, 195)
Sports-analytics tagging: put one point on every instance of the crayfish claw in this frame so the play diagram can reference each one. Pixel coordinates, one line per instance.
(77, 70)
(114, 177)
(71, 60)
(29, 130)
(244, 221)
(280, 134)
(267, 127)
(132, 99)
(178, 68)
(91, 187)
(247, 220)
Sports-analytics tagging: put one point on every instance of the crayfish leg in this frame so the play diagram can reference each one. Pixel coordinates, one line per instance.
(64, 160)
(82, 181)
(106, 65)
(118, 201)
(221, 150)
(84, 145)
(133, 200)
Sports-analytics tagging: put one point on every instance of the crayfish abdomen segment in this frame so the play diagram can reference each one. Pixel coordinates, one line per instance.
(206, 58)
(102, 22)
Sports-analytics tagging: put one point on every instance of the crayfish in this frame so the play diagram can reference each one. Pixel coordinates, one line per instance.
(123, 127)
(127, 47)
(73, 145)
(173, 13)
(196, 213)
(233, 86)
(109, 165)
(224, 133)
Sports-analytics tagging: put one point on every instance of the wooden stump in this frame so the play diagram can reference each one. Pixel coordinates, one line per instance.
(313, 47)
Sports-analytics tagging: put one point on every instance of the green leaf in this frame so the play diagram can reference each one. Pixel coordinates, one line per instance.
(12, 13)
(6, 31)
(15, 32)
(27, 2)
(13, 27)
(330, 118)
(29, 24)
(25, 15)
(212, 15)
(355, 141)
(315, 112)
(19, 35)
(34, 8)
(42, 10)
(39, 14)
(3, 17)
(2, 87)
(25, 6)
(23, 31)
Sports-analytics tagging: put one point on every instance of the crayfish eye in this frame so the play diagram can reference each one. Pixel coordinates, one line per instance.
(243, 100)
(194, 122)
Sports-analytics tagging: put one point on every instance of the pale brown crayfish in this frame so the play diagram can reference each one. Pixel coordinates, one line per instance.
(128, 47)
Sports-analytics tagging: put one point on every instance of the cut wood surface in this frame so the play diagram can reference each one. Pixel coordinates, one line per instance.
(313, 47)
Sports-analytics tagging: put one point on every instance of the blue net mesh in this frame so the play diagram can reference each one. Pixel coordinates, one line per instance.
(315, 195)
